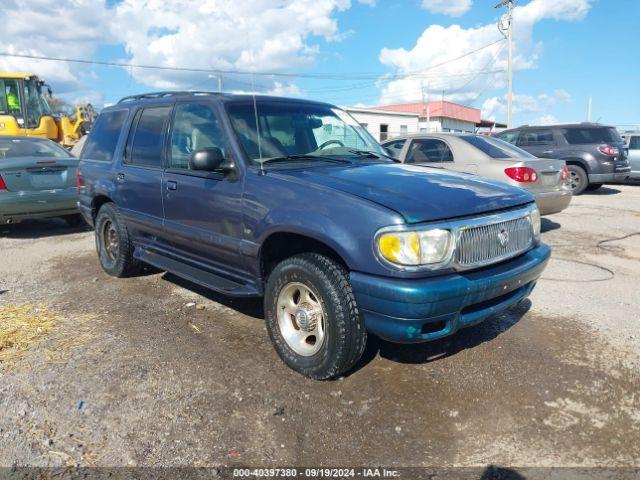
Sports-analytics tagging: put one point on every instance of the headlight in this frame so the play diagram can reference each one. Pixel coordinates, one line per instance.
(535, 222)
(415, 248)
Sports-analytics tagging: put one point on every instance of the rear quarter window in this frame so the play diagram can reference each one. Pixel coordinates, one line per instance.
(103, 138)
(586, 135)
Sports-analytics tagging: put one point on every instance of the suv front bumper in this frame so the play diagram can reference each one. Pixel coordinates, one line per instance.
(421, 310)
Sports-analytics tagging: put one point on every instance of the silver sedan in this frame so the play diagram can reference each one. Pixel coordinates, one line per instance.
(489, 157)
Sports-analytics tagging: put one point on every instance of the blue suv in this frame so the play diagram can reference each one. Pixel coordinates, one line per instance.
(294, 201)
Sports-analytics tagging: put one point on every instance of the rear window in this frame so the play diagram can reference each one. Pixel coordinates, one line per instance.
(585, 135)
(495, 148)
(19, 147)
(103, 139)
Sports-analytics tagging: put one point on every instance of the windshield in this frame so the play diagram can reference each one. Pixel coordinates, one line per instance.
(284, 129)
(496, 148)
(37, 105)
(26, 147)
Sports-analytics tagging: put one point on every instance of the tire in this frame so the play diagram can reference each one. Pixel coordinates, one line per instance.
(113, 243)
(578, 179)
(339, 337)
(593, 187)
(75, 221)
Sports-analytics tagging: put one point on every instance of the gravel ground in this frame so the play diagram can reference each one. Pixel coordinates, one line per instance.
(155, 371)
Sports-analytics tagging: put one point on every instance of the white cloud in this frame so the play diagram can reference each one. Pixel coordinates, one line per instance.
(252, 35)
(259, 35)
(453, 8)
(545, 120)
(52, 28)
(460, 79)
(495, 108)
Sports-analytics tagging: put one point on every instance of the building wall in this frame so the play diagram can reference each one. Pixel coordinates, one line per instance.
(397, 124)
(440, 124)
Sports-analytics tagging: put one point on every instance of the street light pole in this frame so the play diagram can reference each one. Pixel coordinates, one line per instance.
(509, 35)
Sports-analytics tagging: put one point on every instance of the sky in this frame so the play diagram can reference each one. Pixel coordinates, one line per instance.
(346, 52)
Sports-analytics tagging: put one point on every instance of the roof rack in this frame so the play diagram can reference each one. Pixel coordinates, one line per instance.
(151, 95)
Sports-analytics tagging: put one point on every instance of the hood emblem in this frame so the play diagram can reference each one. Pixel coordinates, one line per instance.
(503, 237)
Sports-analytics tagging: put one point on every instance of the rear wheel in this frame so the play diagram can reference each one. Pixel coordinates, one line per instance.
(593, 187)
(312, 316)
(113, 243)
(578, 179)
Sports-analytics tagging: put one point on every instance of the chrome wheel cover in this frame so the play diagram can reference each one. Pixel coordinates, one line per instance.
(301, 318)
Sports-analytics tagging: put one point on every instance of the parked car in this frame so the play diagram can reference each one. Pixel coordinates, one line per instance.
(293, 200)
(482, 155)
(594, 153)
(632, 144)
(37, 180)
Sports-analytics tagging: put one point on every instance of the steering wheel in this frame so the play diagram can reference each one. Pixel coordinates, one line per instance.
(330, 142)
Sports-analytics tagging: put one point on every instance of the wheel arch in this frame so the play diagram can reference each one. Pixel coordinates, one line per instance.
(580, 162)
(97, 202)
(281, 245)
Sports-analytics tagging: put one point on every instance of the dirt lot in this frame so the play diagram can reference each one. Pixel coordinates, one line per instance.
(135, 374)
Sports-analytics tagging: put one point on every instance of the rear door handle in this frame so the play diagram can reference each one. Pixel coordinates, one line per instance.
(547, 152)
(172, 185)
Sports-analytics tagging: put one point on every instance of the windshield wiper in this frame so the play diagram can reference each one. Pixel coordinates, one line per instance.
(287, 158)
(372, 154)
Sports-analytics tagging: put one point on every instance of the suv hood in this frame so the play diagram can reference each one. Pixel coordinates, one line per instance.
(419, 194)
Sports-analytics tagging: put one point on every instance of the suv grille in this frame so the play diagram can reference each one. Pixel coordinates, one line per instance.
(486, 244)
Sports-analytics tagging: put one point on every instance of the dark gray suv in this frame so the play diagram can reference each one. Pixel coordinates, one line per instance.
(594, 153)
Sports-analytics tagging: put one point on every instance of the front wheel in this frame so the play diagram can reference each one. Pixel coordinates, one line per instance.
(312, 316)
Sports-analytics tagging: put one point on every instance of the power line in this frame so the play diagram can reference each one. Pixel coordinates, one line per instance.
(351, 76)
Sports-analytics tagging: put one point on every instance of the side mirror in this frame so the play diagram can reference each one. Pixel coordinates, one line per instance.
(208, 160)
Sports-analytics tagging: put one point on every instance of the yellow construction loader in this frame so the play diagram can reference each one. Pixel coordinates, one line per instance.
(24, 110)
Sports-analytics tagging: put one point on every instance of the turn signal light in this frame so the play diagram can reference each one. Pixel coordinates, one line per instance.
(522, 174)
(3, 186)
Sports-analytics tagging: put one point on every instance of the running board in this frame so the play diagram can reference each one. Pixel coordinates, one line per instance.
(194, 274)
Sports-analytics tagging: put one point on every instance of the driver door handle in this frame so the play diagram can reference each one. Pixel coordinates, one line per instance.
(172, 185)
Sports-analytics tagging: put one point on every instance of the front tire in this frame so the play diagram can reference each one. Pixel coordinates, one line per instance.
(578, 179)
(312, 316)
(113, 243)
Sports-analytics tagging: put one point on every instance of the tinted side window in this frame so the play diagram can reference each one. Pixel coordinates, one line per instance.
(195, 126)
(634, 143)
(395, 148)
(510, 137)
(585, 135)
(535, 137)
(102, 141)
(429, 150)
(148, 138)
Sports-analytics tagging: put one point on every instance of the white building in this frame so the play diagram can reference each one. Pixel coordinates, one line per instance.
(384, 124)
(389, 121)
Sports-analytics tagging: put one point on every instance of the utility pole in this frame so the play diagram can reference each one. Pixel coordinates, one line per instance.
(589, 109)
(219, 77)
(509, 37)
(426, 108)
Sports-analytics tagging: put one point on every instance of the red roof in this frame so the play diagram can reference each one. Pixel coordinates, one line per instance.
(437, 109)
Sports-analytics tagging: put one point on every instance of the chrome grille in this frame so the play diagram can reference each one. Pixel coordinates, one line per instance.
(482, 245)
